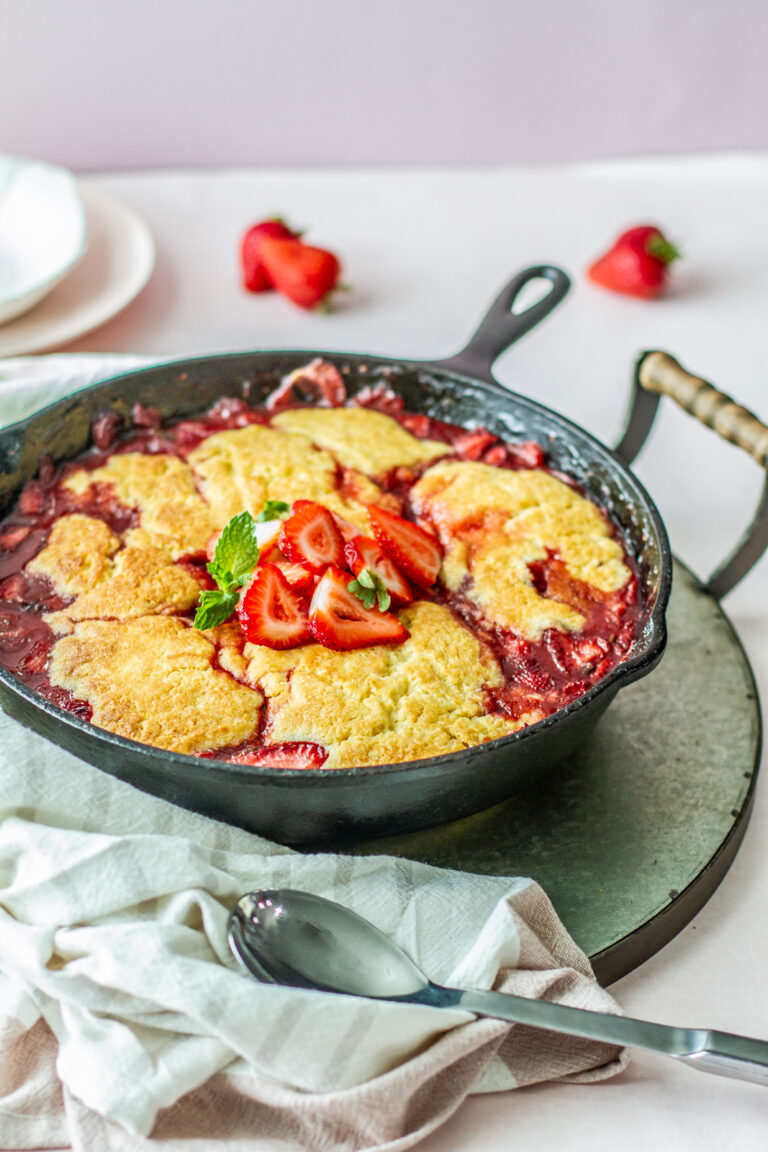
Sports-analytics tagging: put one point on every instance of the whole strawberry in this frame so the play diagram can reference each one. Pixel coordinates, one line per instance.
(304, 274)
(255, 276)
(637, 262)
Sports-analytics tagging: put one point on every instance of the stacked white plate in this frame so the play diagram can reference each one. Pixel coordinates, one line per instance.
(42, 232)
(70, 256)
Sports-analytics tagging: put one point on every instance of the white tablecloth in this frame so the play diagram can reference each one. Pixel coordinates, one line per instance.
(425, 251)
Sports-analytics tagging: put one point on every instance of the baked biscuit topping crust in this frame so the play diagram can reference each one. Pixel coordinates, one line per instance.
(152, 679)
(102, 565)
(495, 523)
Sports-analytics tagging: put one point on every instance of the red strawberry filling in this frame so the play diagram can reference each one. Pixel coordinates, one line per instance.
(299, 754)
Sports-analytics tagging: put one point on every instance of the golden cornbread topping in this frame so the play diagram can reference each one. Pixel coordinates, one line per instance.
(495, 524)
(152, 679)
(369, 585)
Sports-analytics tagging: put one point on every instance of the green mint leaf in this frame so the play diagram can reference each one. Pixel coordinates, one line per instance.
(367, 595)
(225, 580)
(371, 589)
(214, 608)
(236, 551)
(241, 578)
(273, 510)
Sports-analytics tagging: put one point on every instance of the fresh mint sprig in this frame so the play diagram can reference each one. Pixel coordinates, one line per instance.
(273, 510)
(214, 607)
(235, 557)
(371, 589)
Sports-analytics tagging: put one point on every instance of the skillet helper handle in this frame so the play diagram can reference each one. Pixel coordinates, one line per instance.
(658, 374)
(501, 327)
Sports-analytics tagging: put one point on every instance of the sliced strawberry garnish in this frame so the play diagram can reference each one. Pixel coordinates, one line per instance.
(301, 754)
(362, 552)
(267, 533)
(311, 536)
(346, 527)
(299, 576)
(340, 621)
(415, 551)
(270, 611)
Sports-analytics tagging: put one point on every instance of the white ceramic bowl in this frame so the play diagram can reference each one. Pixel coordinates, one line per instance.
(42, 231)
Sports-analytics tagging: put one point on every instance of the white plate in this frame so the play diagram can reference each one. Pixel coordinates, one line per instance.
(42, 231)
(116, 266)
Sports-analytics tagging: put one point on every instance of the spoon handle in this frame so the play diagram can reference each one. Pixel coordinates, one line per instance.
(722, 1053)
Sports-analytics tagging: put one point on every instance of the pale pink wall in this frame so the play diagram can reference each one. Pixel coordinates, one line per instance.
(126, 83)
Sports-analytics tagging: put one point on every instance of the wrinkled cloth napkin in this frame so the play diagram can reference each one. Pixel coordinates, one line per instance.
(124, 1020)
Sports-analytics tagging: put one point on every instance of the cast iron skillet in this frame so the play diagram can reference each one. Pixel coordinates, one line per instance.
(318, 806)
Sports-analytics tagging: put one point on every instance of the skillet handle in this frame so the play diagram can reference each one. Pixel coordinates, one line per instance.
(658, 374)
(502, 326)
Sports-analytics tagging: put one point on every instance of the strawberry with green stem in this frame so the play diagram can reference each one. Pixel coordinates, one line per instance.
(636, 264)
(254, 274)
(305, 274)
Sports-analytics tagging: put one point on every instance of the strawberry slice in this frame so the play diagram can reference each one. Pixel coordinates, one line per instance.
(416, 552)
(362, 552)
(270, 611)
(311, 536)
(340, 621)
(299, 576)
(346, 527)
(300, 754)
(267, 533)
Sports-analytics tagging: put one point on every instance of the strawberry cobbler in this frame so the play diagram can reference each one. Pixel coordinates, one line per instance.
(333, 585)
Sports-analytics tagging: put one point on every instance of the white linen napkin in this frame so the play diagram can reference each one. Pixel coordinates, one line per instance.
(114, 963)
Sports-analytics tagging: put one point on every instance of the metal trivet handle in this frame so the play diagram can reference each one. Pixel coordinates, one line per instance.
(658, 374)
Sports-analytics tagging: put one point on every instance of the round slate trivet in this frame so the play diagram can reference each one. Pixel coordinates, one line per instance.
(630, 837)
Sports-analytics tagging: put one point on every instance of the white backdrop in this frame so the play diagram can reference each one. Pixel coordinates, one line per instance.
(146, 83)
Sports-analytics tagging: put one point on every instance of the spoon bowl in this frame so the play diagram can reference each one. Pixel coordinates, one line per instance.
(295, 938)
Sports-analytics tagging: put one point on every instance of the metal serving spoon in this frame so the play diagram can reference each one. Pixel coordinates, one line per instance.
(295, 938)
